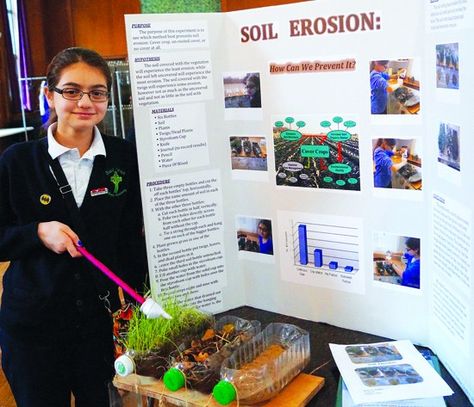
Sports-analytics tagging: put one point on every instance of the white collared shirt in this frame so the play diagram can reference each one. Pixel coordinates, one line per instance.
(77, 169)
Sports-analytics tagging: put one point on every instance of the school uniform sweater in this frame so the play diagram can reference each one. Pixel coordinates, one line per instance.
(45, 291)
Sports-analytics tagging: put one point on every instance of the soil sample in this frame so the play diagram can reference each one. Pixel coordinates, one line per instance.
(260, 368)
(197, 363)
(155, 362)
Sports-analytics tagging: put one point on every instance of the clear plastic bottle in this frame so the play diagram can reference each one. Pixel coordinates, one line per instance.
(260, 368)
(203, 375)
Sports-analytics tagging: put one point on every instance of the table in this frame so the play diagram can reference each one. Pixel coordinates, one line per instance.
(296, 394)
(322, 363)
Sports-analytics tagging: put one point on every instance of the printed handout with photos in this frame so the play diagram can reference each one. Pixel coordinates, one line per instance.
(426, 402)
(386, 371)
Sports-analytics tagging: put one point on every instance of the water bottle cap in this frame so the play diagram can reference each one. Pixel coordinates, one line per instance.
(224, 392)
(124, 365)
(174, 379)
(153, 310)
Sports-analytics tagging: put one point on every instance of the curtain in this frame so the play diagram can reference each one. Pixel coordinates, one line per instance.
(24, 56)
(11, 87)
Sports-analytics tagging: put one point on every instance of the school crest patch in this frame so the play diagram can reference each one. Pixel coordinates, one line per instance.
(116, 176)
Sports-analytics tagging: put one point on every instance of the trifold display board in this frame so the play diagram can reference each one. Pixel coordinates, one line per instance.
(314, 160)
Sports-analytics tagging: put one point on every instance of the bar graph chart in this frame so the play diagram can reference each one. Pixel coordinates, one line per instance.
(326, 246)
(321, 250)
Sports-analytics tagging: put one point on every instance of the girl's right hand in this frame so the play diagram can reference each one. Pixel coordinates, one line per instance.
(58, 237)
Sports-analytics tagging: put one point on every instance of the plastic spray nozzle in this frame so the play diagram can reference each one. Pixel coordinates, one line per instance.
(174, 379)
(224, 392)
(153, 310)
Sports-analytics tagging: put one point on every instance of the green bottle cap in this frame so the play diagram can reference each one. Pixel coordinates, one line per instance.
(174, 379)
(224, 392)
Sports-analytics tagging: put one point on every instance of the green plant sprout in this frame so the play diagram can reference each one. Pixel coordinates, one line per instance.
(147, 334)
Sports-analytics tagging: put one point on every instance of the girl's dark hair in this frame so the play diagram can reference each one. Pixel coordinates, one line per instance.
(253, 78)
(413, 243)
(389, 141)
(68, 57)
(267, 224)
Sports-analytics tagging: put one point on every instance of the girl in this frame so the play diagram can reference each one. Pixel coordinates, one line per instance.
(55, 328)
(383, 163)
(410, 275)
(265, 237)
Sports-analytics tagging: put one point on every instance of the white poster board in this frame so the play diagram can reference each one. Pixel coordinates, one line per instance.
(259, 133)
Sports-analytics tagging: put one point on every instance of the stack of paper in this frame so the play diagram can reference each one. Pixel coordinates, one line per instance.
(388, 374)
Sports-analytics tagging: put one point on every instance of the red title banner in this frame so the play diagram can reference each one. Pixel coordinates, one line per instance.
(318, 26)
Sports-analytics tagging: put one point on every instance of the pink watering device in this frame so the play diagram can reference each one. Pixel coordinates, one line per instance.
(148, 306)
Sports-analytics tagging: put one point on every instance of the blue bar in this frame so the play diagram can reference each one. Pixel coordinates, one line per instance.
(333, 265)
(318, 257)
(303, 244)
(348, 269)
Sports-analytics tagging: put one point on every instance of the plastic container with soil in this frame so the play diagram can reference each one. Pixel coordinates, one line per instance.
(197, 363)
(149, 342)
(260, 368)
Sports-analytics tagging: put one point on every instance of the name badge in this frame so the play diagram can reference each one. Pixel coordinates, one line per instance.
(99, 191)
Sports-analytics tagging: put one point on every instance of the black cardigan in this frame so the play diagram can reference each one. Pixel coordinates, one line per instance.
(41, 288)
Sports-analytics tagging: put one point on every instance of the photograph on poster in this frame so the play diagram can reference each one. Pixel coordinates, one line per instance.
(248, 153)
(394, 86)
(396, 164)
(381, 352)
(449, 152)
(397, 259)
(254, 235)
(242, 90)
(447, 66)
(392, 375)
(316, 152)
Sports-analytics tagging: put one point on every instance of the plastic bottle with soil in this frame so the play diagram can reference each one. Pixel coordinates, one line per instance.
(260, 368)
(203, 375)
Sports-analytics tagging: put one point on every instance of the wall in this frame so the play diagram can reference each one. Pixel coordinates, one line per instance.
(93, 24)
(231, 5)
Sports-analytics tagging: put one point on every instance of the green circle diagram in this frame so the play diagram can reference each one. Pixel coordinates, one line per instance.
(290, 135)
(339, 135)
(289, 120)
(300, 123)
(352, 181)
(279, 124)
(325, 123)
(292, 166)
(312, 151)
(339, 168)
(327, 179)
(340, 182)
(337, 119)
(350, 123)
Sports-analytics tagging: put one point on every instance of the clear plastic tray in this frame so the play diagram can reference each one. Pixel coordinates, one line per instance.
(203, 375)
(260, 368)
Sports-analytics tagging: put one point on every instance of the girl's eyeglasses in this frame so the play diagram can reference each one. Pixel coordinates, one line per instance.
(95, 95)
